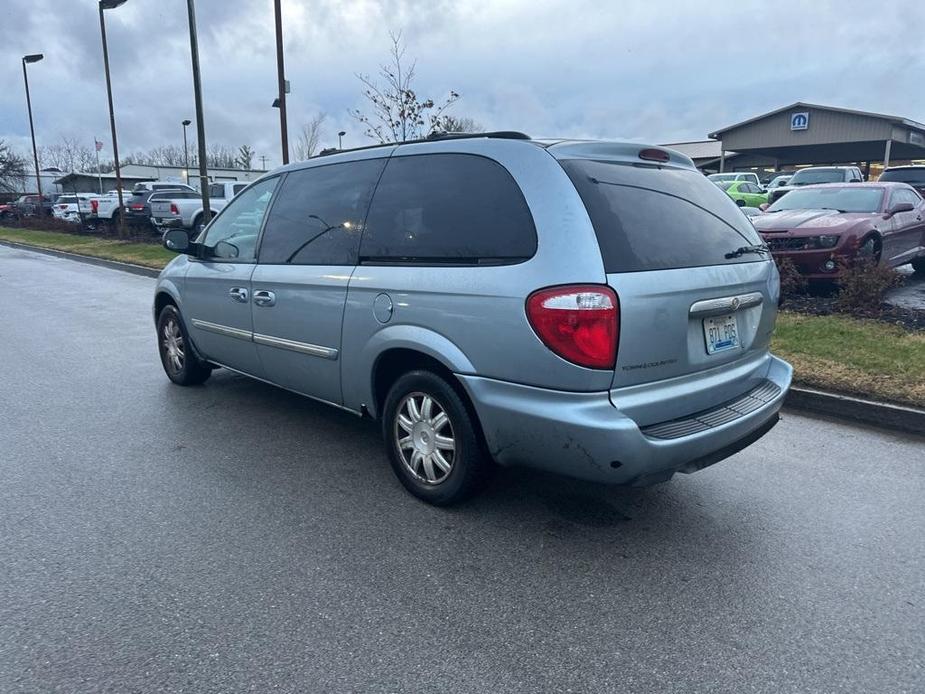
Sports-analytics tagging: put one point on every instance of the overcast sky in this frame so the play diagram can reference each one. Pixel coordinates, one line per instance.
(642, 70)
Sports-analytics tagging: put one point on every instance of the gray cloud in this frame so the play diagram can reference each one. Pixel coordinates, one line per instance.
(640, 70)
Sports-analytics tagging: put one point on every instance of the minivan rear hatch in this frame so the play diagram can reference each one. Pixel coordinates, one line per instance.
(696, 287)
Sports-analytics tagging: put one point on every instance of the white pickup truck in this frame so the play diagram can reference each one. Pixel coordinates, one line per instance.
(184, 210)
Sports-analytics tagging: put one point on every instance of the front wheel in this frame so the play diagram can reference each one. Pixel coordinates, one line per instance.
(432, 441)
(919, 266)
(180, 363)
(869, 251)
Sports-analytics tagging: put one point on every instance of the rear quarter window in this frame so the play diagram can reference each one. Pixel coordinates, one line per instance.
(447, 208)
(659, 218)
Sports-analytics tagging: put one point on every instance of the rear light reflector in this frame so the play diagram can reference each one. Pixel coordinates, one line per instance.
(580, 323)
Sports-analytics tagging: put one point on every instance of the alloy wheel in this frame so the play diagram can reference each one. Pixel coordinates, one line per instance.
(172, 341)
(424, 438)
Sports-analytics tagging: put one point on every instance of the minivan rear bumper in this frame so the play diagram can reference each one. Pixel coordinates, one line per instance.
(585, 435)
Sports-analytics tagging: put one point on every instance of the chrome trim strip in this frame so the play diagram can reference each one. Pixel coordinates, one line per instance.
(223, 329)
(726, 304)
(292, 345)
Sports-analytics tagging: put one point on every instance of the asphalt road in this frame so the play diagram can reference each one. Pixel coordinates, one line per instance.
(234, 537)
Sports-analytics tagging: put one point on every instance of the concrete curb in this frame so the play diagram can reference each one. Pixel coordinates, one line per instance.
(909, 420)
(103, 262)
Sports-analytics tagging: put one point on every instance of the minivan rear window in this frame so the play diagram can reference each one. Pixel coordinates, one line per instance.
(658, 218)
(447, 209)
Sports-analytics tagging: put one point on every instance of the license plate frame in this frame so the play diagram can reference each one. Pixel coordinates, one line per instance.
(721, 333)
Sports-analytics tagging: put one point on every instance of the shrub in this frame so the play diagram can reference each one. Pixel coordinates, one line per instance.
(792, 282)
(41, 222)
(862, 285)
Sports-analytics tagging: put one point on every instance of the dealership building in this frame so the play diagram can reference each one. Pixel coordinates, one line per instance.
(802, 135)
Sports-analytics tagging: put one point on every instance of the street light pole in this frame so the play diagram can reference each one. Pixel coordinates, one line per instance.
(340, 139)
(281, 77)
(186, 122)
(110, 5)
(34, 58)
(200, 124)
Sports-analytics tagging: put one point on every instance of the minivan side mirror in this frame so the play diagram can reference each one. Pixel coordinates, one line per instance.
(177, 240)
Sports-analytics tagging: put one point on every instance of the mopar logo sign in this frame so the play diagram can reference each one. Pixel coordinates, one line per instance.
(799, 121)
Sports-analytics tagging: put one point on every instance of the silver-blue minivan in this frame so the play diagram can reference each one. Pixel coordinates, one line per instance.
(597, 309)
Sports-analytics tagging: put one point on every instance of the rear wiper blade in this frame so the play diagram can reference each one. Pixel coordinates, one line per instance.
(761, 250)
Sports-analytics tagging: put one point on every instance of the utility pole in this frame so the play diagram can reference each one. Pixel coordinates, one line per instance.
(263, 161)
(200, 124)
(186, 122)
(281, 77)
(110, 5)
(34, 58)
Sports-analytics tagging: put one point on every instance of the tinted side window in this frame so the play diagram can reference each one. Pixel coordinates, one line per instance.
(216, 190)
(650, 218)
(238, 187)
(451, 208)
(319, 213)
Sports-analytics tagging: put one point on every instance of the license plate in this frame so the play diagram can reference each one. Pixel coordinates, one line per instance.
(721, 333)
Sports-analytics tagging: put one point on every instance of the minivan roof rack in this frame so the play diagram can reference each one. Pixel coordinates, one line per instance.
(433, 137)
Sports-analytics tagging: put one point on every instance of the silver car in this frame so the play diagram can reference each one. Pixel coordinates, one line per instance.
(597, 309)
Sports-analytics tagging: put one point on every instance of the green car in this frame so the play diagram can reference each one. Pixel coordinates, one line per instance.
(745, 193)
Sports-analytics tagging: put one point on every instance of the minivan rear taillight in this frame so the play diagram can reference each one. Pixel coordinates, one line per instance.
(580, 323)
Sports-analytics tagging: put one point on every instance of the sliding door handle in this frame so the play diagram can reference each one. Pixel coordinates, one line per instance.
(264, 298)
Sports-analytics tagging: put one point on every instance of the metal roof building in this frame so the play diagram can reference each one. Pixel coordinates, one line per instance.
(804, 134)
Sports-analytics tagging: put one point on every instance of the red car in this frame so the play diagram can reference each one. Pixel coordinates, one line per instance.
(817, 226)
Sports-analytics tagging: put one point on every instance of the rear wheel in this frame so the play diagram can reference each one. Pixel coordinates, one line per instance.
(740, 202)
(180, 363)
(433, 443)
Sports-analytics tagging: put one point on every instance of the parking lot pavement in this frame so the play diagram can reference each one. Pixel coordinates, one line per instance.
(234, 537)
(911, 294)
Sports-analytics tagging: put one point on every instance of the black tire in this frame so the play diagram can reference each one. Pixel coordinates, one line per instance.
(469, 466)
(740, 202)
(919, 266)
(185, 368)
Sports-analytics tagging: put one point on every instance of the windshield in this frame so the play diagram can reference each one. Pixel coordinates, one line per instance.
(809, 176)
(841, 198)
(915, 176)
(722, 177)
(724, 185)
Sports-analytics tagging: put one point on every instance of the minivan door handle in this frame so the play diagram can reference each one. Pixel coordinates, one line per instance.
(264, 298)
(239, 294)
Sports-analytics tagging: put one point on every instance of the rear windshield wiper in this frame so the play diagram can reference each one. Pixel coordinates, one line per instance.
(760, 250)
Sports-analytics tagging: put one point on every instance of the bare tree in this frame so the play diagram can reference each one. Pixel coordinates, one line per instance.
(456, 124)
(245, 157)
(69, 153)
(12, 170)
(397, 113)
(310, 138)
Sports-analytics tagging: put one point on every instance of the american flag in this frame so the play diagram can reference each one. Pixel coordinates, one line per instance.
(99, 145)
